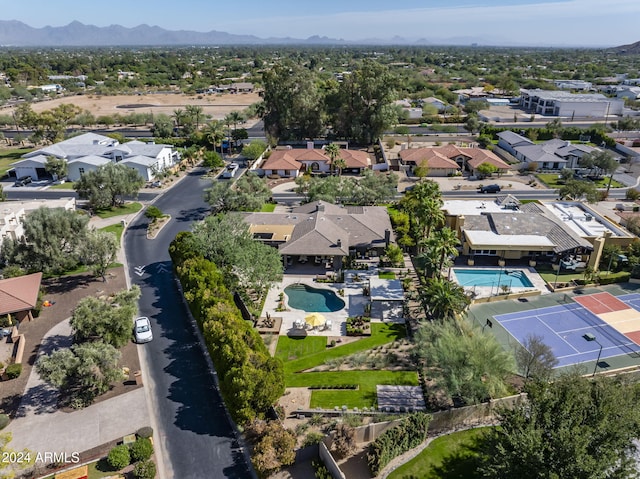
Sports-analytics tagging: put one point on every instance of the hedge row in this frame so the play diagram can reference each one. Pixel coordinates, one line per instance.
(397, 440)
(251, 380)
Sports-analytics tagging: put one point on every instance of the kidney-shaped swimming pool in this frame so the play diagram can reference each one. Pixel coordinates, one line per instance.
(312, 299)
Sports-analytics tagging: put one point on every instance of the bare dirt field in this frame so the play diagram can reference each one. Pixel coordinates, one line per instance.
(217, 105)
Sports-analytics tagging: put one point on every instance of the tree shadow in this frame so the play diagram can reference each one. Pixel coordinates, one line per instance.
(464, 463)
(193, 214)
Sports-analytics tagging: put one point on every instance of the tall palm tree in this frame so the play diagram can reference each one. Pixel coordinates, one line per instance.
(443, 242)
(443, 299)
(332, 151)
(195, 112)
(340, 165)
(179, 116)
(213, 133)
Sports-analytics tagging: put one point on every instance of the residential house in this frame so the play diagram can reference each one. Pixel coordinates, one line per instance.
(89, 151)
(19, 296)
(323, 230)
(509, 141)
(563, 103)
(448, 160)
(435, 102)
(573, 85)
(290, 162)
(12, 214)
(553, 154)
(506, 229)
(632, 93)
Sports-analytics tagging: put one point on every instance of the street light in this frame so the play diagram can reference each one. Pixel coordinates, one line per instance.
(590, 337)
(555, 285)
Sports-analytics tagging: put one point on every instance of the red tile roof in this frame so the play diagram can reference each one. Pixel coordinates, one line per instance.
(19, 294)
(475, 156)
(291, 159)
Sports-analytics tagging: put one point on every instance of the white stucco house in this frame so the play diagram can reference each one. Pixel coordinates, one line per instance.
(89, 151)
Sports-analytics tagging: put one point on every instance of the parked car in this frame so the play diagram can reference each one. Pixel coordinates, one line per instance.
(231, 170)
(489, 189)
(22, 181)
(142, 330)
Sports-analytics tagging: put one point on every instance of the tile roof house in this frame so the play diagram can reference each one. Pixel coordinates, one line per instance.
(446, 160)
(290, 162)
(509, 140)
(19, 295)
(89, 151)
(553, 154)
(323, 229)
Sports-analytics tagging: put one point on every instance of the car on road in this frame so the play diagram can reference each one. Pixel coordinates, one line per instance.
(23, 181)
(142, 330)
(489, 189)
(231, 170)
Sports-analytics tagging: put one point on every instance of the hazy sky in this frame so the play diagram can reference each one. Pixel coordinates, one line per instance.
(504, 22)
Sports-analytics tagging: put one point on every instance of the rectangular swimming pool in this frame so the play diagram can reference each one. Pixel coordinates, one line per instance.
(514, 278)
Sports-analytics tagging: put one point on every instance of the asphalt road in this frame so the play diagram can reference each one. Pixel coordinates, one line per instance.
(198, 438)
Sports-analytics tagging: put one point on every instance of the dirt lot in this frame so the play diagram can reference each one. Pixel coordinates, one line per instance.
(217, 105)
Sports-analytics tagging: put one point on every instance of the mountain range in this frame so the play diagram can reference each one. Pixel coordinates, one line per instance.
(14, 33)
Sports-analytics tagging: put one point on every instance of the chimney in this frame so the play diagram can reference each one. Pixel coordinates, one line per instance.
(339, 243)
(387, 237)
(309, 145)
(320, 207)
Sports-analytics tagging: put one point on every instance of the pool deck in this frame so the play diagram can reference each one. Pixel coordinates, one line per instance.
(354, 300)
(487, 291)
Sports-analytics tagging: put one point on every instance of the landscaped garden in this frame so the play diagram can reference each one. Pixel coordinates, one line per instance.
(9, 156)
(554, 180)
(299, 355)
(447, 457)
(126, 209)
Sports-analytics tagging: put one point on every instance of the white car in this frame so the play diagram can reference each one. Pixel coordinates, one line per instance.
(142, 330)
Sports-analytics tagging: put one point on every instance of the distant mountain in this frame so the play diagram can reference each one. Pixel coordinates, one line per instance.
(15, 33)
(632, 49)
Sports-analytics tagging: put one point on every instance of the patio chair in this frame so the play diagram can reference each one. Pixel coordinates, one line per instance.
(328, 324)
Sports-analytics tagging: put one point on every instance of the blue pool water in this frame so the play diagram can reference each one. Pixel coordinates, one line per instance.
(311, 299)
(492, 278)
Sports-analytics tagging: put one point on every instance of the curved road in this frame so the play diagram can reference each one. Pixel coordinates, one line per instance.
(195, 433)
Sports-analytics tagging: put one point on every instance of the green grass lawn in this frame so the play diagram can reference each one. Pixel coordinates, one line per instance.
(115, 229)
(551, 180)
(67, 185)
(9, 156)
(268, 208)
(386, 275)
(300, 354)
(448, 457)
(126, 209)
(549, 275)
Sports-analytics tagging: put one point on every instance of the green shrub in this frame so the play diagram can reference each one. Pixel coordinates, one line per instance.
(144, 470)
(4, 421)
(145, 432)
(141, 450)
(153, 212)
(119, 457)
(320, 470)
(13, 371)
(397, 440)
(312, 438)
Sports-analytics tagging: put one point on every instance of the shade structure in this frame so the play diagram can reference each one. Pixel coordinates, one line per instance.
(315, 319)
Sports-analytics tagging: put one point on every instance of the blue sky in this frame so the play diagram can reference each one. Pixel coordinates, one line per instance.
(503, 22)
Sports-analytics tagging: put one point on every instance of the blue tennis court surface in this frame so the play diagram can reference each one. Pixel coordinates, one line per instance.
(562, 329)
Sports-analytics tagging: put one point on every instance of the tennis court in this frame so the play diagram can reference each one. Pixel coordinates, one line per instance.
(614, 321)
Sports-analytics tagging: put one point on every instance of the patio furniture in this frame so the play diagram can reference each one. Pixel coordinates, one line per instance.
(328, 324)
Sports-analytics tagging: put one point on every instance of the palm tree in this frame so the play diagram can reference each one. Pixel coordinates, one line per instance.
(333, 151)
(444, 243)
(179, 116)
(340, 165)
(213, 133)
(195, 113)
(443, 299)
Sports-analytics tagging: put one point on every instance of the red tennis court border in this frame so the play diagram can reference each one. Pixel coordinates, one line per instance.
(634, 336)
(599, 303)
(611, 301)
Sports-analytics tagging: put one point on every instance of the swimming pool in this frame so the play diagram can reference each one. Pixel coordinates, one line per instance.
(493, 278)
(311, 299)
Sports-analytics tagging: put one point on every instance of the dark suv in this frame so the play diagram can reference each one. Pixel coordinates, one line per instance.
(489, 189)
(25, 180)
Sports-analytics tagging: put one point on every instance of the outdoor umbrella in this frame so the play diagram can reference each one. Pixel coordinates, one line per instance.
(315, 319)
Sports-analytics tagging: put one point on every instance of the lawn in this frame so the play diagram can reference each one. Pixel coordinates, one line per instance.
(126, 209)
(300, 354)
(552, 181)
(448, 457)
(386, 275)
(9, 156)
(268, 208)
(565, 276)
(115, 229)
(67, 185)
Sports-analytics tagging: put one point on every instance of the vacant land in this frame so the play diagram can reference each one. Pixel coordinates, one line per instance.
(217, 105)
(8, 156)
